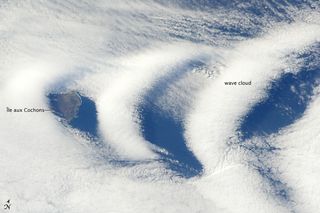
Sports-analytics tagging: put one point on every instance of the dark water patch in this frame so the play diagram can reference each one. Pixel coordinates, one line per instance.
(165, 131)
(278, 10)
(287, 100)
(234, 31)
(76, 110)
(260, 148)
(261, 151)
(278, 188)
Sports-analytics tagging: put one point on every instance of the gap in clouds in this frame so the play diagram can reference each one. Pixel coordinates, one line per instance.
(286, 101)
(278, 10)
(75, 110)
(78, 112)
(167, 131)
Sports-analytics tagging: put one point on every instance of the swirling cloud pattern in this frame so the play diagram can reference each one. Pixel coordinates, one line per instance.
(161, 127)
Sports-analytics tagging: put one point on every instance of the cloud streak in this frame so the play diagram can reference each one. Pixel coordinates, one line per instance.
(115, 53)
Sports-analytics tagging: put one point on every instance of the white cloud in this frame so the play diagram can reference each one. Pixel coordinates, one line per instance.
(118, 51)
